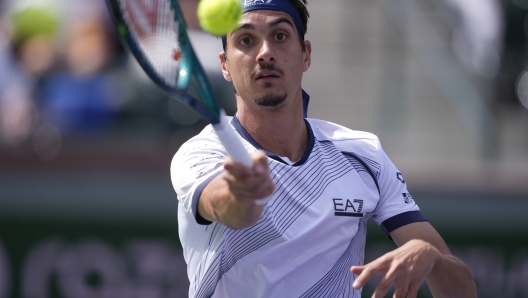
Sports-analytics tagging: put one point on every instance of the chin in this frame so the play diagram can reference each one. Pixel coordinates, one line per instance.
(271, 101)
(273, 108)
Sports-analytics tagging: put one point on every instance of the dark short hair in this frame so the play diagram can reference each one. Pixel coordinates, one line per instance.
(300, 6)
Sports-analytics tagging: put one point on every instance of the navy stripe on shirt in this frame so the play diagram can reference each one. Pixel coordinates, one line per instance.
(196, 196)
(401, 220)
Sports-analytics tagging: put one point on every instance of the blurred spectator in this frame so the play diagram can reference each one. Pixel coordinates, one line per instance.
(56, 74)
(34, 32)
(63, 54)
(515, 57)
(20, 41)
(63, 72)
(490, 38)
(82, 95)
(477, 37)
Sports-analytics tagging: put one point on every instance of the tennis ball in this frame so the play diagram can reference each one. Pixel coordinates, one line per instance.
(218, 17)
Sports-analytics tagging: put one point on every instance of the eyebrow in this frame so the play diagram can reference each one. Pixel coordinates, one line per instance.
(281, 20)
(248, 26)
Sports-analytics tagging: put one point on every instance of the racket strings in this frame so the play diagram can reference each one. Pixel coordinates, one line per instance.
(152, 27)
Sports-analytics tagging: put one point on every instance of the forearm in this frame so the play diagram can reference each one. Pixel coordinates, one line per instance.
(447, 276)
(451, 278)
(218, 203)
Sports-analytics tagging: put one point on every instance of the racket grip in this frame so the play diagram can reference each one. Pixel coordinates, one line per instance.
(233, 146)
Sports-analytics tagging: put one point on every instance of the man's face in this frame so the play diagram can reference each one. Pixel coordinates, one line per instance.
(265, 60)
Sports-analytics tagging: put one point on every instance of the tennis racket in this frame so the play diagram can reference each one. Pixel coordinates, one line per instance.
(154, 31)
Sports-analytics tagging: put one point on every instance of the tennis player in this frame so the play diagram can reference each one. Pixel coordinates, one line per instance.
(323, 182)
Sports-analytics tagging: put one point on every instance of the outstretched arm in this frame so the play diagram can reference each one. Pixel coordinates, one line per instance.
(230, 197)
(422, 255)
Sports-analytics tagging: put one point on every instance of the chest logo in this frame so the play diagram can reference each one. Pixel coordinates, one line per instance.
(345, 207)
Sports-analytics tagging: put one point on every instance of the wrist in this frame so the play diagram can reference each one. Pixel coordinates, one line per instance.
(438, 258)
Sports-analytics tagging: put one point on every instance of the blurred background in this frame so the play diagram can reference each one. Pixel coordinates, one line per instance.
(86, 204)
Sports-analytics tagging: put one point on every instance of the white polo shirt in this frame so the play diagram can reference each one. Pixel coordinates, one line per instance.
(312, 230)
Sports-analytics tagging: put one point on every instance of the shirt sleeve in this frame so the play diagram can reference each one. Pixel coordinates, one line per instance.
(396, 206)
(195, 164)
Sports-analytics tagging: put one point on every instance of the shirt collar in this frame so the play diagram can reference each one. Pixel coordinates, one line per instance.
(242, 131)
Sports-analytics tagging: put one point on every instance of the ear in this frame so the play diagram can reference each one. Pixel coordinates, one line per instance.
(307, 55)
(225, 67)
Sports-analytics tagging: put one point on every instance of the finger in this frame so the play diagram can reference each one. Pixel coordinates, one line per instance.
(260, 162)
(252, 182)
(413, 289)
(262, 192)
(260, 165)
(259, 156)
(266, 190)
(382, 288)
(357, 269)
(236, 169)
(396, 275)
(401, 279)
(401, 290)
(378, 266)
(367, 273)
(250, 187)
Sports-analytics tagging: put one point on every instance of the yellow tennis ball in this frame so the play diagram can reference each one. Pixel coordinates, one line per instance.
(218, 17)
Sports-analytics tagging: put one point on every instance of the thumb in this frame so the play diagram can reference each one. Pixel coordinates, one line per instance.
(260, 162)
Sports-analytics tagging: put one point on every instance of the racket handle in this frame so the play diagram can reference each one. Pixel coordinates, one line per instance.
(233, 146)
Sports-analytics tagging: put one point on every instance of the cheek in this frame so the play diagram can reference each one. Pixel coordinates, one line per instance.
(239, 77)
(235, 73)
(294, 66)
(243, 71)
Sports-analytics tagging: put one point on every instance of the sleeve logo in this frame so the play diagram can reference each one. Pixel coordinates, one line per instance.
(407, 198)
(346, 207)
(399, 176)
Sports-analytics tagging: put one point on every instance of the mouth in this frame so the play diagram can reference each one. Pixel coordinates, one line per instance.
(266, 76)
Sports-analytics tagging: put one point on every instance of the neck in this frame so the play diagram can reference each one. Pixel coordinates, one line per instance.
(281, 131)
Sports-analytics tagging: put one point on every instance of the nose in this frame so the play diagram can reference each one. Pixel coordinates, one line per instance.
(265, 53)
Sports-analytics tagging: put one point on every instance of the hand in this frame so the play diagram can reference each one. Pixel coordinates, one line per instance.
(406, 267)
(230, 197)
(249, 183)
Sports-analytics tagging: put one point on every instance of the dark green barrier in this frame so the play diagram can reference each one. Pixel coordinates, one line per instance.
(73, 260)
(80, 260)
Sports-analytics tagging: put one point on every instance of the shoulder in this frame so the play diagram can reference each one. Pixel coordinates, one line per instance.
(346, 139)
(202, 146)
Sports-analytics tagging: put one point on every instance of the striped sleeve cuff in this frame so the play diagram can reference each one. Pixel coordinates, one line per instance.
(196, 196)
(401, 220)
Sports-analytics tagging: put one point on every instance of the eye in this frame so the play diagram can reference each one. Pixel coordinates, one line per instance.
(244, 41)
(281, 36)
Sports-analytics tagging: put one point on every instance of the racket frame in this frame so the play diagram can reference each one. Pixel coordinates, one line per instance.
(189, 66)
